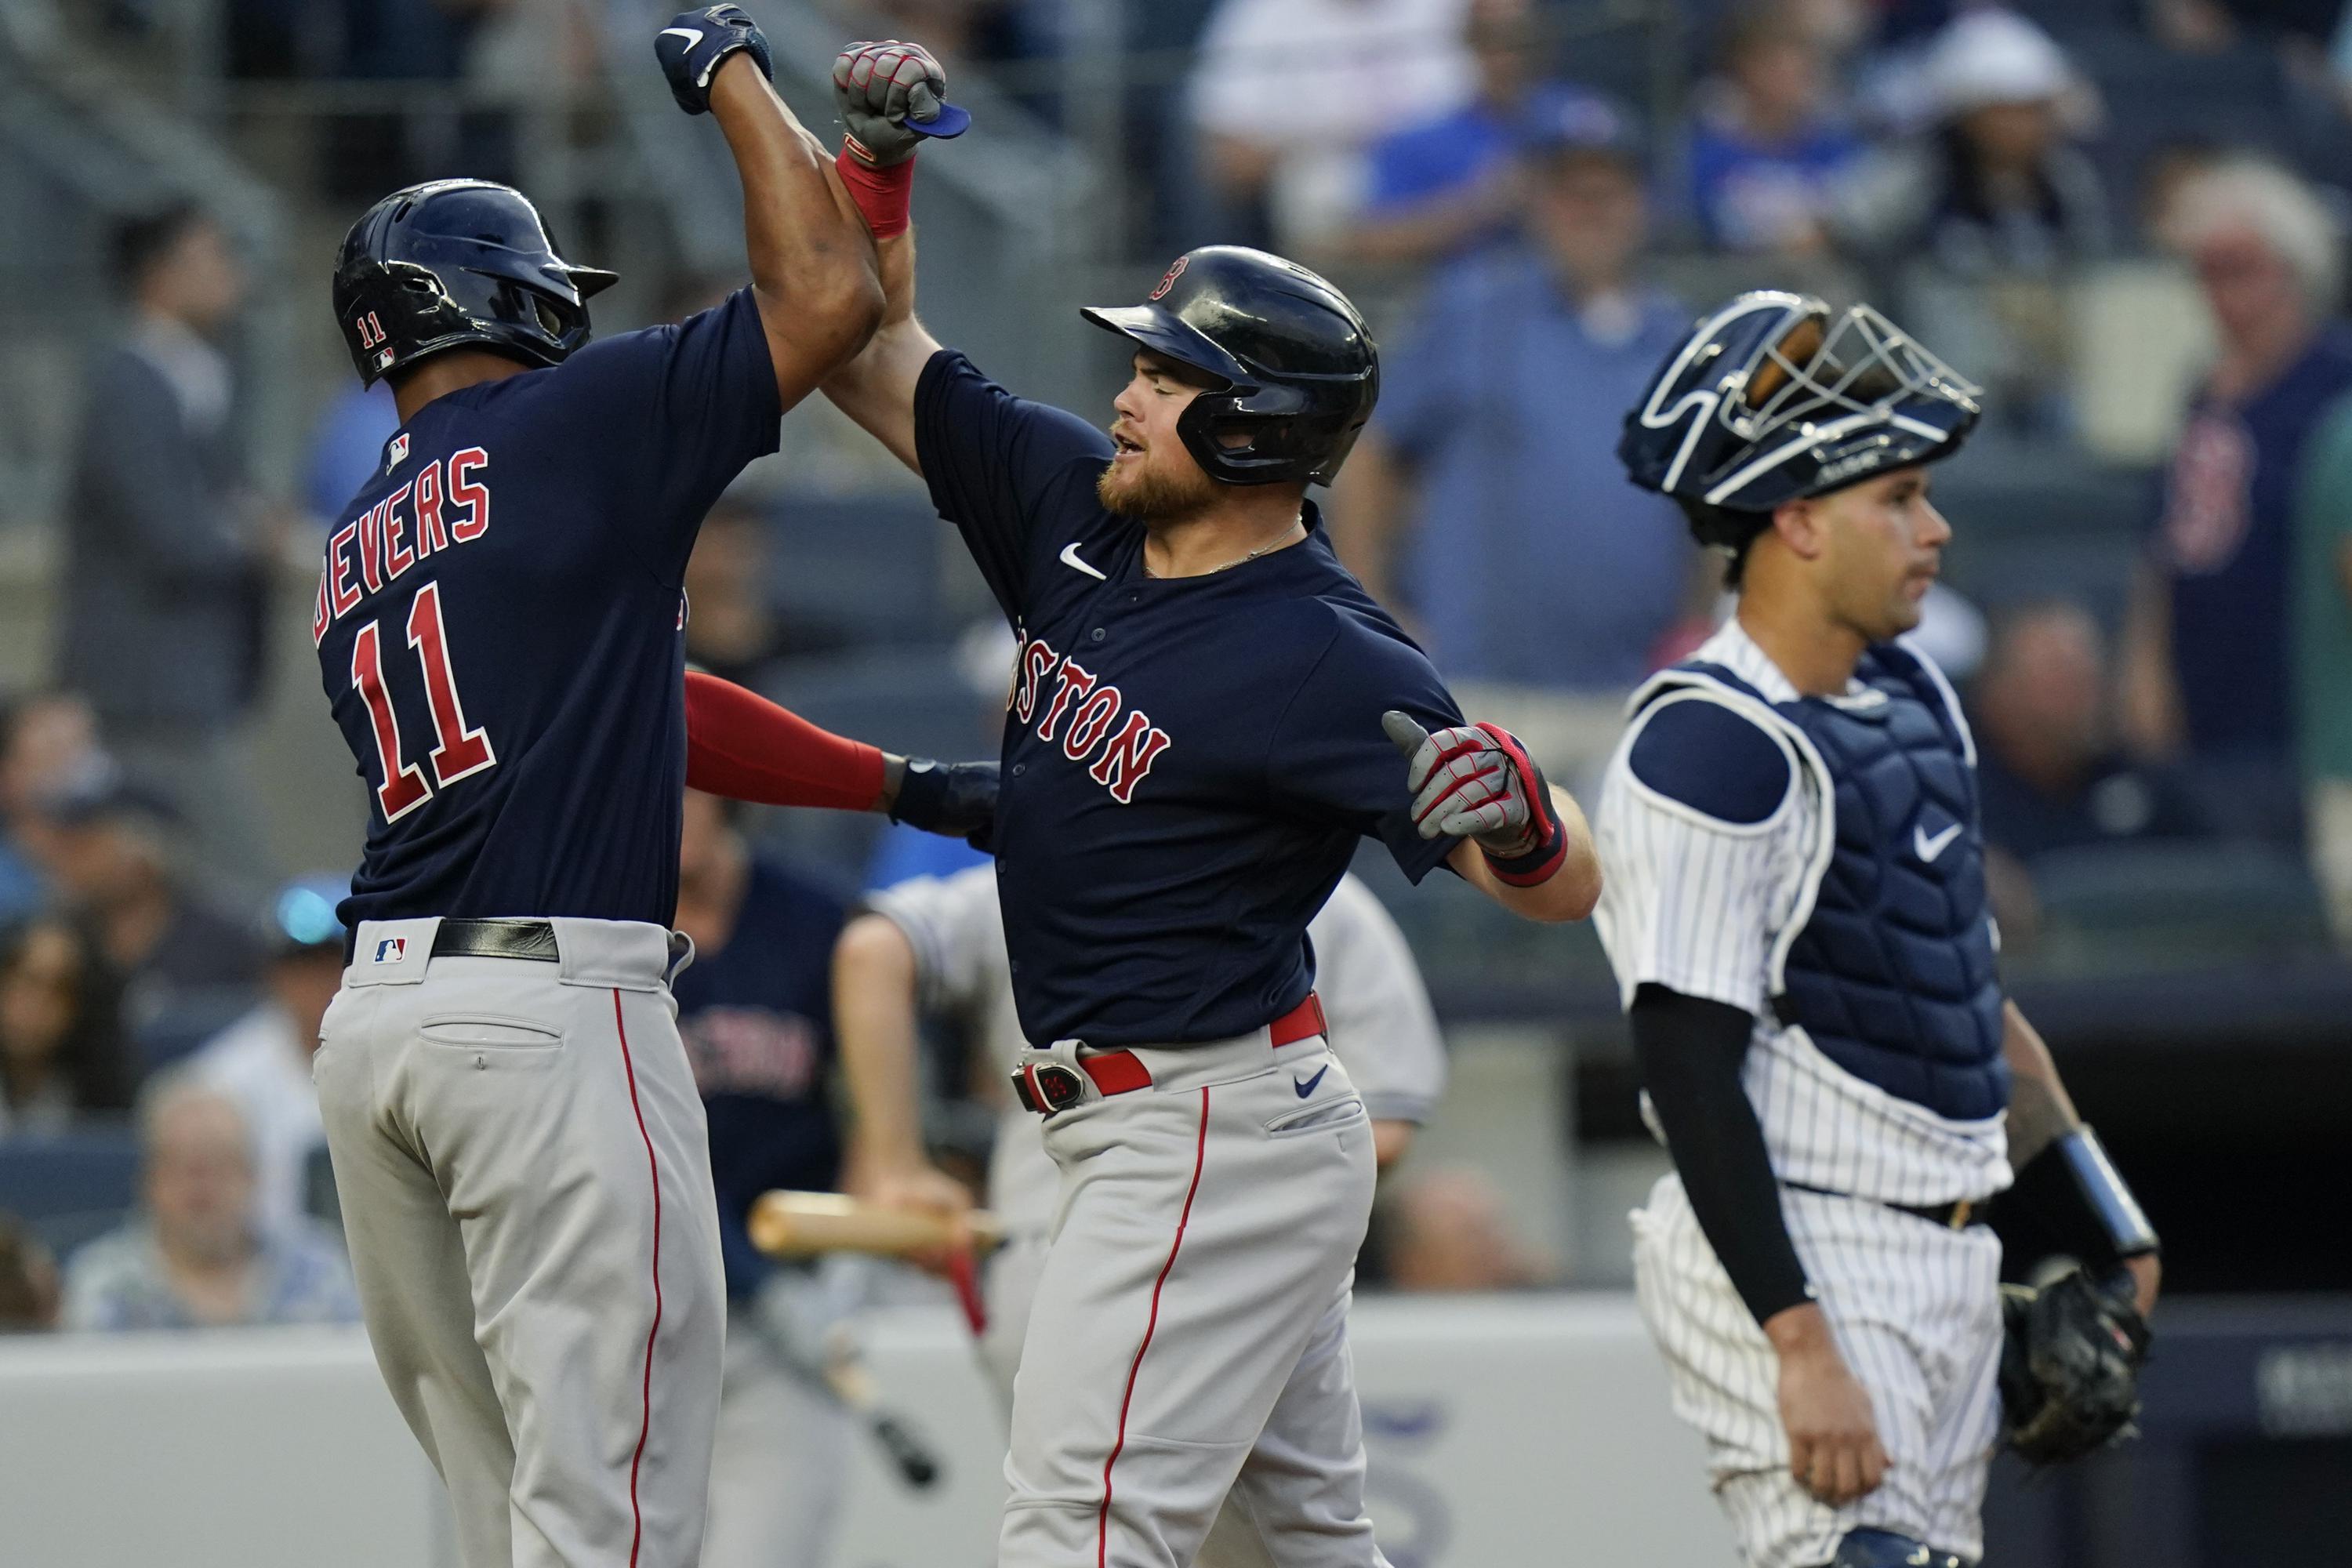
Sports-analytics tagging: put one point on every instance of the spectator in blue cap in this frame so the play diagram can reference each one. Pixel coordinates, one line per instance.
(1450, 184)
(1491, 467)
(262, 1061)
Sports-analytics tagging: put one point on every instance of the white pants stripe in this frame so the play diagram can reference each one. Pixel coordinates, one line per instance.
(1916, 1308)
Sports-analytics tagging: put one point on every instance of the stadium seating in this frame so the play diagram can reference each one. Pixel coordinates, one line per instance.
(71, 1186)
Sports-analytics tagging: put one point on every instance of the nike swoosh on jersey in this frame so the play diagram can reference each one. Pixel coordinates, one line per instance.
(1307, 1087)
(692, 36)
(1927, 847)
(1070, 559)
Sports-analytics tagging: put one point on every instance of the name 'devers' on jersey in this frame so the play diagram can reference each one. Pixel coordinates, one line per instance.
(382, 544)
(444, 506)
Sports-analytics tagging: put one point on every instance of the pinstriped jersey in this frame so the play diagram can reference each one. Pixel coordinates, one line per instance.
(1707, 903)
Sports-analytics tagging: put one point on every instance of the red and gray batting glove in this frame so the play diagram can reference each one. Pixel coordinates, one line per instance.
(892, 96)
(1476, 781)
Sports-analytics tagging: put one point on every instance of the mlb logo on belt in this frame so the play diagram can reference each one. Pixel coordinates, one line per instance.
(391, 949)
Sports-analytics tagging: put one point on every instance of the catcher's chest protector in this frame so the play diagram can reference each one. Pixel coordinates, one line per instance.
(1889, 969)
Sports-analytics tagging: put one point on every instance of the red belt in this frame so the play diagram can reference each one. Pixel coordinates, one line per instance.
(1046, 1086)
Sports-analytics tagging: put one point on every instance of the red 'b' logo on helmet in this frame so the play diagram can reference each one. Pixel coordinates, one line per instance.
(1170, 281)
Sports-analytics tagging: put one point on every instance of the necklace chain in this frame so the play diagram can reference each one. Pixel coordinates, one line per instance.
(1283, 538)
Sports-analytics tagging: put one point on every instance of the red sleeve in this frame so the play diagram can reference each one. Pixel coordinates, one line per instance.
(740, 745)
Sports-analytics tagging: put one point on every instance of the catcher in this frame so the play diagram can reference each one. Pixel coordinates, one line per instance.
(1793, 900)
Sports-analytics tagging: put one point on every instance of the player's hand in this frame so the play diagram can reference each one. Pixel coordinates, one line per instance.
(920, 1188)
(891, 95)
(693, 46)
(1471, 781)
(957, 800)
(1833, 1447)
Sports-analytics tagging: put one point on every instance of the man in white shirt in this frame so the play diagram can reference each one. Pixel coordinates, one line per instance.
(1289, 94)
(262, 1061)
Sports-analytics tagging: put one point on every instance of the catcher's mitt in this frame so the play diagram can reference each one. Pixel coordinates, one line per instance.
(2070, 1369)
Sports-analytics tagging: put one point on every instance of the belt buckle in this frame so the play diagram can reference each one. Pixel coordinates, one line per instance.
(1961, 1213)
(1048, 1086)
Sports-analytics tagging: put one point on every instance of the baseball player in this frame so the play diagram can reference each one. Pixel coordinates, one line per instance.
(1200, 728)
(1795, 909)
(517, 1142)
(935, 945)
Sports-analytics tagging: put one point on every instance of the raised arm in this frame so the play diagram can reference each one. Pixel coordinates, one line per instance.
(882, 91)
(814, 275)
(877, 388)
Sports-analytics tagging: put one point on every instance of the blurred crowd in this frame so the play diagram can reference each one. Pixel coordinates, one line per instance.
(1536, 220)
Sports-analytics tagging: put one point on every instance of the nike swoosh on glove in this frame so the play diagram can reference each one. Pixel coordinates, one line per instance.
(692, 46)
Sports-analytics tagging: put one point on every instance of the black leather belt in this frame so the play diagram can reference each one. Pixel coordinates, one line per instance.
(1957, 1214)
(496, 939)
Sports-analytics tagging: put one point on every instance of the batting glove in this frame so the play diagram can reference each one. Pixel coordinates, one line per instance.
(694, 43)
(1476, 781)
(957, 800)
(891, 95)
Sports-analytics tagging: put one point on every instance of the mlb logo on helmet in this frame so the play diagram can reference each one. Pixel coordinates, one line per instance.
(391, 949)
(1168, 282)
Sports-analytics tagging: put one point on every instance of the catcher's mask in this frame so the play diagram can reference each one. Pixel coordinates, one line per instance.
(1772, 399)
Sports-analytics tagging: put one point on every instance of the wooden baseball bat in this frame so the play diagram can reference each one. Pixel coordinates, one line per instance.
(801, 1225)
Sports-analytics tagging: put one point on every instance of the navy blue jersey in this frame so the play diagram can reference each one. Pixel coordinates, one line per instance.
(757, 1019)
(2225, 545)
(1188, 763)
(499, 624)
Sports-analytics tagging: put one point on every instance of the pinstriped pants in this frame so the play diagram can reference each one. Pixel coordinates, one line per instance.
(525, 1181)
(1916, 1312)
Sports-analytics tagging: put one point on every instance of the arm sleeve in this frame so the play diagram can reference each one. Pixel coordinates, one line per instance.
(1696, 857)
(952, 925)
(1328, 757)
(1380, 1020)
(1689, 1051)
(996, 463)
(742, 746)
(674, 413)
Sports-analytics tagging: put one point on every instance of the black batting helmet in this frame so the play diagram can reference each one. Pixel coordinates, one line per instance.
(456, 262)
(1301, 372)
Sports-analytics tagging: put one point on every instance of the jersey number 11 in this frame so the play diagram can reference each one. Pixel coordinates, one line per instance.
(458, 752)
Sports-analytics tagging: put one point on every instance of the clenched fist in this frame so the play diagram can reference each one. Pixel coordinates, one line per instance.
(891, 95)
